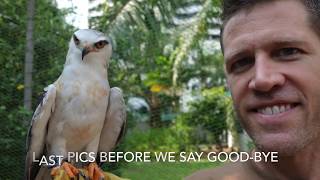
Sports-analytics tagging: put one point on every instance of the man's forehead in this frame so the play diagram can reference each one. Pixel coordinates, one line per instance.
(275, 19)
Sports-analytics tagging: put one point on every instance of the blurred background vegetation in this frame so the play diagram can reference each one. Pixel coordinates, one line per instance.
(166, 59)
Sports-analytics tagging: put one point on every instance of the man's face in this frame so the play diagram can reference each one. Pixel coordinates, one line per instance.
(272, 63)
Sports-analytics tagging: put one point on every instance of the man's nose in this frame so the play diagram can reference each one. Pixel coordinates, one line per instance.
(266, 75)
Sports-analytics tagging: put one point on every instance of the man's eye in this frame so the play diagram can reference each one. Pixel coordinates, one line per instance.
(241, 65)
(287, 53)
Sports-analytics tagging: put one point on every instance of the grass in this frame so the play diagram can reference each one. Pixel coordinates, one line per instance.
(163, 170)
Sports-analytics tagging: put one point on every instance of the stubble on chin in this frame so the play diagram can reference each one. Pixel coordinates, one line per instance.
(297, 140)
(284, 147)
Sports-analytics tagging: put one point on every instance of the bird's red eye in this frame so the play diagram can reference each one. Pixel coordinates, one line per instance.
(101, 44)
(76, 40)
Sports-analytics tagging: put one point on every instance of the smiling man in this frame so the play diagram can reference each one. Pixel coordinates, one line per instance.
(272, 63)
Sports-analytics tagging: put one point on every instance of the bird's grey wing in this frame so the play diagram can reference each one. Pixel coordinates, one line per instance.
(115, 122)
(38, 131)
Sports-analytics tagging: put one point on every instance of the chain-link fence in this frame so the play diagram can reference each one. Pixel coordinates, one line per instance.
(166, 59)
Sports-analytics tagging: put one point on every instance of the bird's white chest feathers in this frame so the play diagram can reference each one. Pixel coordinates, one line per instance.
(83, 99)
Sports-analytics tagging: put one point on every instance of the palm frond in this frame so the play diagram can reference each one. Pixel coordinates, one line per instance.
(188, 38)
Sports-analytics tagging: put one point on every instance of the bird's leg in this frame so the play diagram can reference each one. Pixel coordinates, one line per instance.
(94, 172)
(70, 170)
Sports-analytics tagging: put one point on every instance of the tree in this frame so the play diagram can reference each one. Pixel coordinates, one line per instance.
(29, 57)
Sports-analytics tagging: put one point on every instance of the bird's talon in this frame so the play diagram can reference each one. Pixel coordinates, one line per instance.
(54, 171)
(69, 169)
(95, 172)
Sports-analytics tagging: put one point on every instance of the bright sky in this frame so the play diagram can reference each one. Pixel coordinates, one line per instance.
(80, 18)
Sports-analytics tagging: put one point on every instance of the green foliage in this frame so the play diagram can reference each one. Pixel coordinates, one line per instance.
(51, 38)
(184, 133)
(210, 113)
(157, 76)
(164, 170)
(12, 40)
(174, 139)
(152, 140)
(12, 141)
(208, 69)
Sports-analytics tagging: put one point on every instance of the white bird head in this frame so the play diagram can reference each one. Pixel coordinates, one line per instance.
(89, 45)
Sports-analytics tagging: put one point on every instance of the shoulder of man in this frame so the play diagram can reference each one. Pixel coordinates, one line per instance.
(229, 171)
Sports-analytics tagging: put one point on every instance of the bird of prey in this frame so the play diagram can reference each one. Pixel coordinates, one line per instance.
(79, 111)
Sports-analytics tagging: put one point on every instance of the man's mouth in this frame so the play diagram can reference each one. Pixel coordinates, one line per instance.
(275, 109)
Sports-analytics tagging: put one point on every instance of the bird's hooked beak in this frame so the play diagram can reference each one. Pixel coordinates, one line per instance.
(86, 50)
